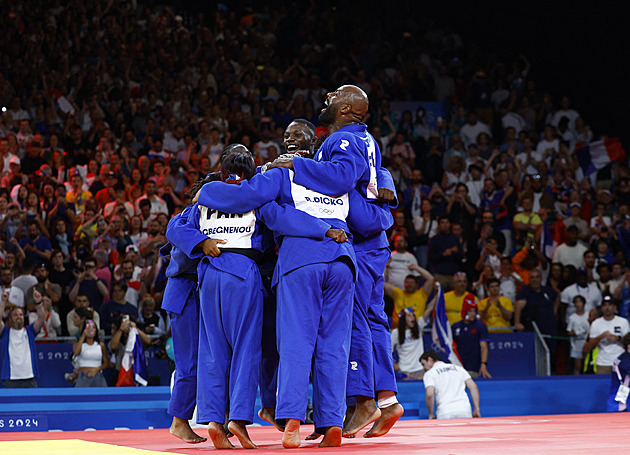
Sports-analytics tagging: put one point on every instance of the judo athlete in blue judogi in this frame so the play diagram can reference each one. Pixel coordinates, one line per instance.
(314, 292)
(299, 137)
(181, 300)
(230, 291)
(349, 159)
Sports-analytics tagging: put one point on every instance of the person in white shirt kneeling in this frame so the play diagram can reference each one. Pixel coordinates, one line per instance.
(445, 386)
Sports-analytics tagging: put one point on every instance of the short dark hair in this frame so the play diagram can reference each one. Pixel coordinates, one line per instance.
(602, 265)
(625, 341)
(144, 202)
(231, 149)
(430, 354)
(239, 162)
(308, 125)
(86, 313)
(121, 284)
(580, 298)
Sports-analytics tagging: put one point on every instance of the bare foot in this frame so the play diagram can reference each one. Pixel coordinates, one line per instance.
(218, 436)
(349, 413)
(389, 416)
(364, 414)
(332, 438)
(313, 436)
(291, 437)
(238, 428)
(269, 415)
(180, 428)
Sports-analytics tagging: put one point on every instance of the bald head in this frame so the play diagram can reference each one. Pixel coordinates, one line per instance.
(356, 98)
(346, 105)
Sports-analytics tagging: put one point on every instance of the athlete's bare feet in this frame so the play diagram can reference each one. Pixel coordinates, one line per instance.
(180, 428)
(218, 436)
(314, 436)
(349, 413)
(364, 414)
(332, 438)
(269, 415)
(389, 416)
(291, 437)
(238, 428)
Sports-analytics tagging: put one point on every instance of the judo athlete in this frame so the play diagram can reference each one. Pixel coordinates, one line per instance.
(314, 291)
(349, 159)
(299, 137)
(231, 301)
(181, 300)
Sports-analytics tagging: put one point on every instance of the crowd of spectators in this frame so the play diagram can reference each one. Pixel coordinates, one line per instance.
(112, 109)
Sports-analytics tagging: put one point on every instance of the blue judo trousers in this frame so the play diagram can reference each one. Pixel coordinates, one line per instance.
(349, 159)
(314, 281)
(270, 357)
(370, 366)
(230, 333)
(231, 298)
(181, 300)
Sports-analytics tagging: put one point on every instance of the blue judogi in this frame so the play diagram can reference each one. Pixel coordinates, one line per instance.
(314, 281)
(231, 295)
(370, 352)
(349, 158)
(181, 300)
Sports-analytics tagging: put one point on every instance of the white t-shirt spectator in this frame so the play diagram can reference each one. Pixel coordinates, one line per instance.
(591, 294)
(158, 205)
(570, 255)
(450, 389)
(410, 351)
(544, 145)
(569, 113)
(578, 323)
(470, 132)
(20, 354)
(398, 268)
(24, 282)
(52, 326)
(609, 351)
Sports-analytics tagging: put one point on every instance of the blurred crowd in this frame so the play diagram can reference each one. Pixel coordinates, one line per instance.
(111, 109)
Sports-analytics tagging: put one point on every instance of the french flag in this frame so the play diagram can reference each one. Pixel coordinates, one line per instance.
(441, 332)
(133, 369)
(594, 156)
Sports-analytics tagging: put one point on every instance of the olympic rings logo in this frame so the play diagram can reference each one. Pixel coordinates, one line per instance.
(325, 211)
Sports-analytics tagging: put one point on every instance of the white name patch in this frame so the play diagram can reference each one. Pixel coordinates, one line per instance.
(236, 229)
(317, 204)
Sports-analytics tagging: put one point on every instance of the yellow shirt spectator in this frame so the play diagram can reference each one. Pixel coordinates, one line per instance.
(492, 315)
(496, 310)
(411, 296)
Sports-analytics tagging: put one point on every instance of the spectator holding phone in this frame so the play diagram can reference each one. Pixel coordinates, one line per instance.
(90, 357)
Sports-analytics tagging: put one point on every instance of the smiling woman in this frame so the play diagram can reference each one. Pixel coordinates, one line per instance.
(90, 357)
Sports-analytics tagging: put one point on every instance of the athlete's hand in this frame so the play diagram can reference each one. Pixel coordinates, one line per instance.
(476, 413)
(286, 163)
(385, 195)
(210, 247)
(338, 235)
